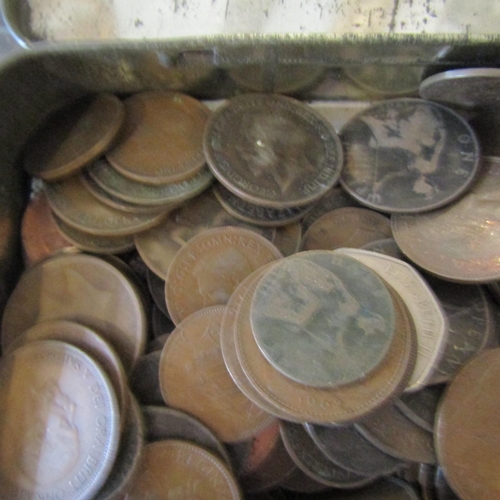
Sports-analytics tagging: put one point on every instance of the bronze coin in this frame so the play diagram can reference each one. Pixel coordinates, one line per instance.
(73, 136)
(467, 428)
(207, 269)
(272, 150)
(177, 468)
(162, 138)
(81, 288)
(144, 381)
(194, 378)
(348, 227)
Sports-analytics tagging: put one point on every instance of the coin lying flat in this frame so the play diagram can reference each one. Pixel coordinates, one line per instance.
(59, 423)
(73, 136)
(161, 139)
(322, 319)
(408, 155)
(272, 150)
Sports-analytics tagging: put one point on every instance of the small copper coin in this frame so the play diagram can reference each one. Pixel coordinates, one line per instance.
(162, 138)
(81, 288)
(272, 150)
(73, 203)
(208, 268)
(467, 426)
(73, 136)
(177, 469)
(348, 227)
(194, 378)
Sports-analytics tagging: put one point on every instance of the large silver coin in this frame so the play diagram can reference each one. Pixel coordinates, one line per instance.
(59, 423)
(322, 319)
(408, 155)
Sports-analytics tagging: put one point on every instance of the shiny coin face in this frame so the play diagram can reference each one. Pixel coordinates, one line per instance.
(408, 155)
(59, 423)
(323, 319)
(272, 150)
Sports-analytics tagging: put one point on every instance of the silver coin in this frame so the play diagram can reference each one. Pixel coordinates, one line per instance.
(408, 155)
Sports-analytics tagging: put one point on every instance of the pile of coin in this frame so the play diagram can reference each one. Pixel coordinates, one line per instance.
(246, 372)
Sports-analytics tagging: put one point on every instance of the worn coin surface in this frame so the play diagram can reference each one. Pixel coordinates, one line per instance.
(208, 268)
(459, 242)
(73, 136)
(323, 319)
(177, 469)
(162, 138)
(408, 155)
(272, 150)
(59, 423)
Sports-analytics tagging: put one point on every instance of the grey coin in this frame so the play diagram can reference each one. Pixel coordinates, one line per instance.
(443, 489)
(168, 423)
(112, 181)
(421, 406)
(408, 155)
(322, 319)
(346, 447)
(387, 246)
(467, 87)
(310, 460)
(392, 432)
(156, 287)
(255, 214)
(300, 482)
(160, 324)
(144, 379)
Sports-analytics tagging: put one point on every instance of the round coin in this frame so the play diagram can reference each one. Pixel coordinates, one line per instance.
(162, 138)
(408, 155)
(59, 423)
(272, 150)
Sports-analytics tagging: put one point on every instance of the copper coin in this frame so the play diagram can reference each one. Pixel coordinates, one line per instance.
(39, 233)
(459, 242)
(81, 288)
(194, 378)
(179, 469)
(162, 138)
(73, 136)
(144, 382)
(72, 202)
(272, 150)
(59, 418)
(467, 428)
(287, 239)
(348, 227)
(207, 269)
(159, 245)
(339, 405)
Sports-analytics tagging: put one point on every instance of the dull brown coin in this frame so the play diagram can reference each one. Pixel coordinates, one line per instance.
(287, 239)
(208, 268)
(144, 382)
(162, 138)
(443, 490)
(156, 287)
(466, 432)
(72, 202)
(348, 227)
(160, 324)
(73, 136)
(299, 482)
(194, 378)
(81, 288)
(172, 468)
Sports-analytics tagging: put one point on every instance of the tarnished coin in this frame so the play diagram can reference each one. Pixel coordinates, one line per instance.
(272, 150)
(386, 247)
(287, 239)
(466, 432)
(160, 324)
(72, 202)
(162, 138)
(144, 382)
(428, 316)
(350, 227)
(59, 423)
(81, 288)
(443, 490)
(159, 245)
(467, 87)
(156, 288)
(194, 378)
(207, 269)
(109, 179)
(300, 482)
(408, 155)
(73, 136)
(172, 468)
(255, 214)
(157, 343)
(459, 242)
(323, 319)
